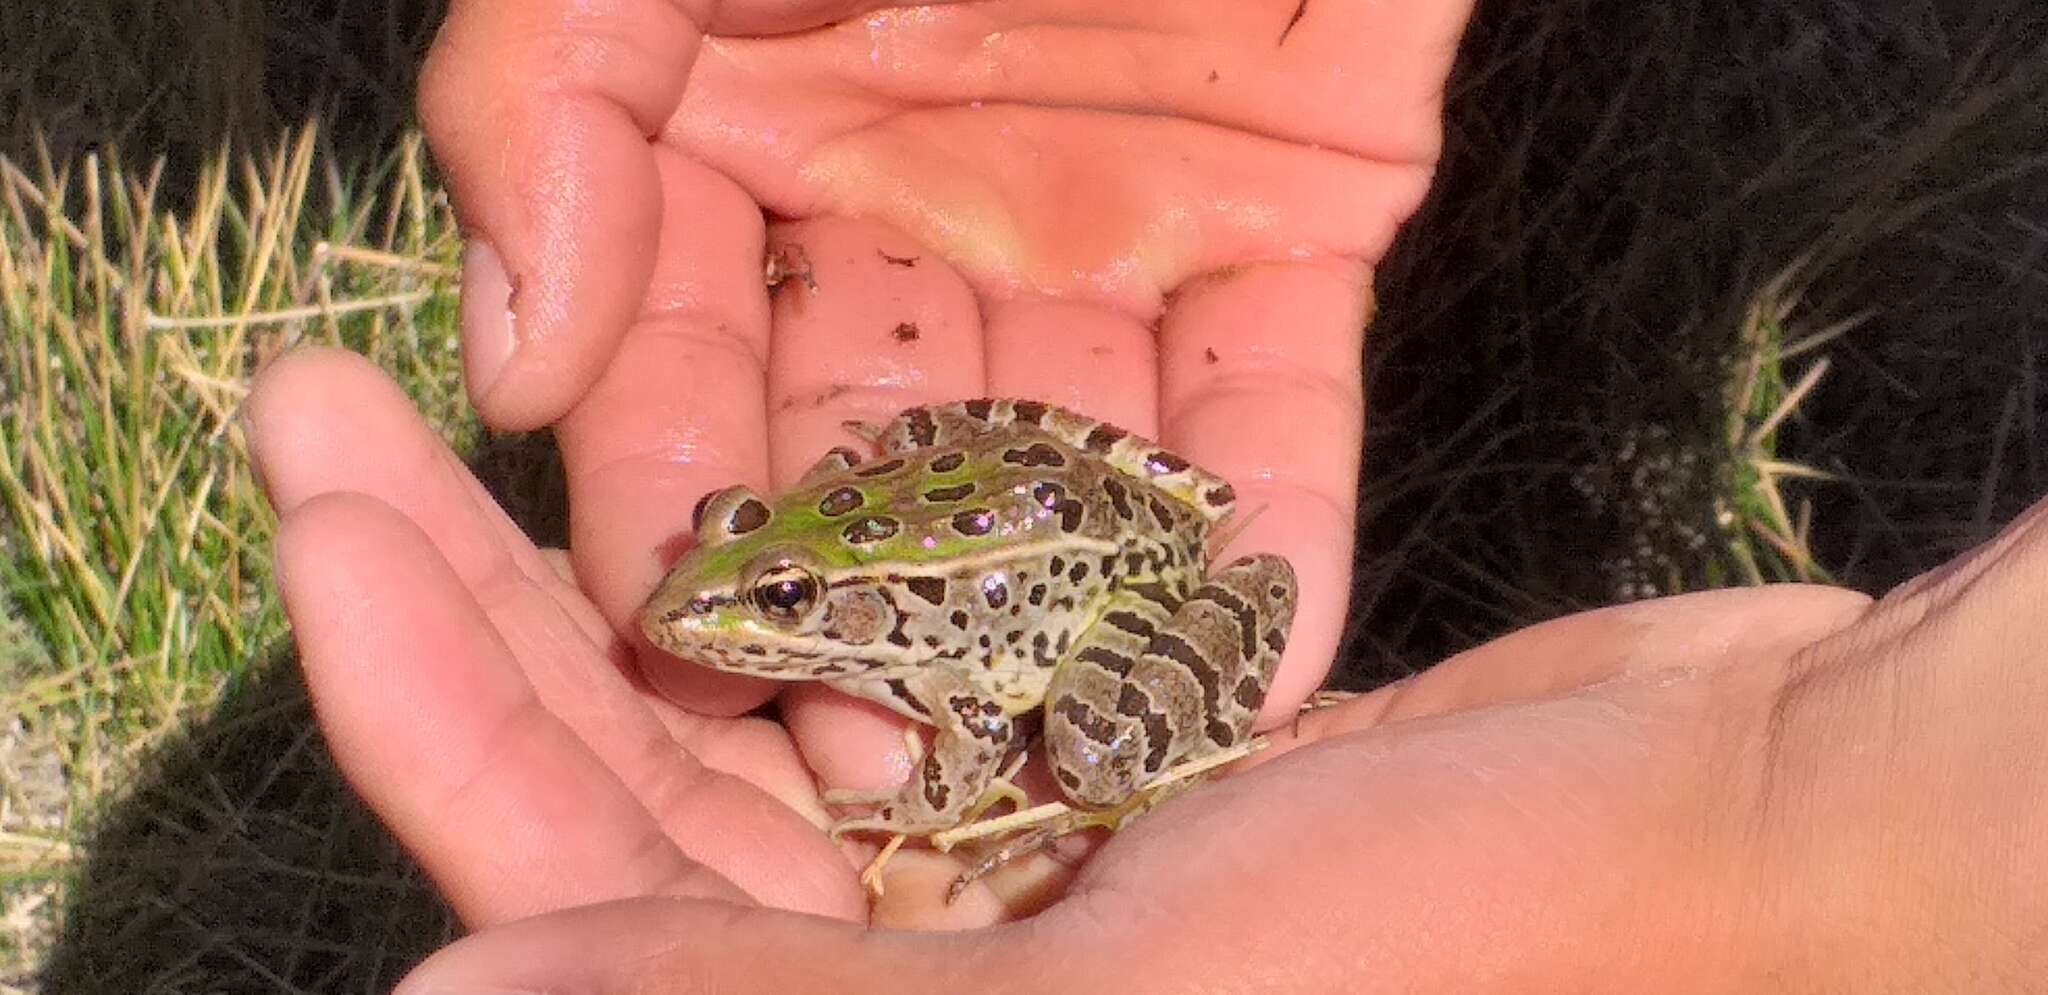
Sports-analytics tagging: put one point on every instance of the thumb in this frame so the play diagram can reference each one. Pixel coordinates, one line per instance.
(1706, 630)
(668, 946)
(539, 113)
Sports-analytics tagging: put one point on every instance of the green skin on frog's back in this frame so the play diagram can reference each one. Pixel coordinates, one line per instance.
(1000, 556)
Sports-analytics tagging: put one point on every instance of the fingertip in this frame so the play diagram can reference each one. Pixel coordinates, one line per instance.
(290, 414)
(310, 532)
(557, 289)
(552, 174)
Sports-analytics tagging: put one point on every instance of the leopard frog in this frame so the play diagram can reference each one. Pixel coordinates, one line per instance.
(1000, 560)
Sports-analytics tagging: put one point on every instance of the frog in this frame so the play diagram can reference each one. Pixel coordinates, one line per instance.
(1000, 565)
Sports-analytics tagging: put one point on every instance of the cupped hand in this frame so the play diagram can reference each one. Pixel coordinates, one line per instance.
(1784, 789)
(1162, 213)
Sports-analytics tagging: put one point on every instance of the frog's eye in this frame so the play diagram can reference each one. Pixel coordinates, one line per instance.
(785, 592)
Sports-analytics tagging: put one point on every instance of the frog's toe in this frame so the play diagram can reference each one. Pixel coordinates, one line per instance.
(843, 797)
(868, 433)
(871, 876)
(888, 820)
(999, 790)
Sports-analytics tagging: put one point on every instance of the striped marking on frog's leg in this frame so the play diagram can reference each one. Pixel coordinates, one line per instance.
(962, 422)
(1116, 721)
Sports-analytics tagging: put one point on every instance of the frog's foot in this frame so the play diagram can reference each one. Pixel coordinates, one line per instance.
(852, 797)
(1045, 835)
(891, 819)
(1326, 698)
(913, 747)
(871, 876)
(870, 434)
(999, 790)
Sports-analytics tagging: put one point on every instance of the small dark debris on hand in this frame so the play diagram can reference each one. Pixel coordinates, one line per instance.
(906, 332)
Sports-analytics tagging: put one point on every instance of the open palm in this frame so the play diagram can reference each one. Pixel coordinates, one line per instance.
(1161, 213)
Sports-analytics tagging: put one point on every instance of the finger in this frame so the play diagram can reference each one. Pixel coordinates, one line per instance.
(1090, 358)
(1260, 382)
(655, 946)
(869, 323)
(328, 421)
(325, 420)
(440, 733)
(1704, 631)
(539, 112)
(678, 414)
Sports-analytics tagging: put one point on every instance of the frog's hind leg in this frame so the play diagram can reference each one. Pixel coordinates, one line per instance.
(1115, 722)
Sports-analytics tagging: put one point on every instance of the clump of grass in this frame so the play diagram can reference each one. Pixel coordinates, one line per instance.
(136, 539)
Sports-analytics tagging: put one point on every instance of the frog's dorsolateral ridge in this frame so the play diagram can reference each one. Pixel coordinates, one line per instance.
(999, 556)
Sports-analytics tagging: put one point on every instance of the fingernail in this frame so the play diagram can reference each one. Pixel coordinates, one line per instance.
(487, 338)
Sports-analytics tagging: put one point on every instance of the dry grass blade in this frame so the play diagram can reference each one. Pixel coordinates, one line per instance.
(133, 537)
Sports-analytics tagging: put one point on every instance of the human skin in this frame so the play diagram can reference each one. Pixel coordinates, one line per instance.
(1785, 789)
(1181, 253)
(1162, 213)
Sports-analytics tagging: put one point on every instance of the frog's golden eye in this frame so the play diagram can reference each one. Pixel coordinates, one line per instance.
(785, 592)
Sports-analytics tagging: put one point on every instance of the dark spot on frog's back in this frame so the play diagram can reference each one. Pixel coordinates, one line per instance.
(1220, 495)
(1102, 437)
(883, 468)
(1162, 513)
(974, 522)
(947, 463)
(1119, 497)
(979, 408)
(948, 495)
(923, 430)
(1028, 412)
(747, 517)
(869, 528)
(840, 501)
(995, 592)
(1035, 454)
(1163, 462)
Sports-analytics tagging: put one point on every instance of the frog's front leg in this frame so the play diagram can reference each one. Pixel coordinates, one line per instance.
(972, 739)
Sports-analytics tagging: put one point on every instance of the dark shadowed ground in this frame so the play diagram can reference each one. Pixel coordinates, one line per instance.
(1620, 183)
